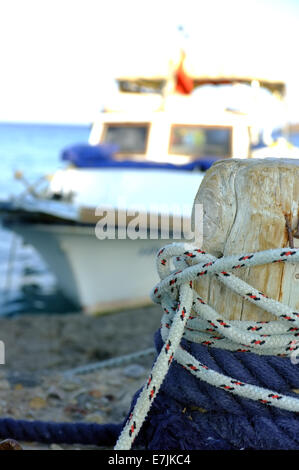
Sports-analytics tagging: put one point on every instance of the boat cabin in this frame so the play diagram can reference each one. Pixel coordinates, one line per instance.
(146, 121)
(177, 136)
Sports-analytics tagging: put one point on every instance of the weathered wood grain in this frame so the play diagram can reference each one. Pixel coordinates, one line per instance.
(245, 204)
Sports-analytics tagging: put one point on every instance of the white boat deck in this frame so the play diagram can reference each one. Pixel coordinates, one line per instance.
(163, 191)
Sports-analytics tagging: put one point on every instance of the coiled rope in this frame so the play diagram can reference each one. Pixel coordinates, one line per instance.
(249, 416)
(186, 315)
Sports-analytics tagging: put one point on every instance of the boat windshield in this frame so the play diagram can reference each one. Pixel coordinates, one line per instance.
(201, 141)
(129, 138)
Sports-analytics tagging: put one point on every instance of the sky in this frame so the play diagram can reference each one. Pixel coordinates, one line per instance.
(59, 57)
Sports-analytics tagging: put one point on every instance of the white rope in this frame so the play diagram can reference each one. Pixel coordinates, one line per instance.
(187, 315)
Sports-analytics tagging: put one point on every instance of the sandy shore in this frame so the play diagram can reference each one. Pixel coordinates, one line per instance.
(40, 349)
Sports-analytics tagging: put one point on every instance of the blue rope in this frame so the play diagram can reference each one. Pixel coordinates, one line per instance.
(66, 433)
(173, 429)
(224, 421)
(270, 371)
(189, 414)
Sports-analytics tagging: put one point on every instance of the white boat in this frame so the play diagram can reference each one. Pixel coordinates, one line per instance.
(102, 275)
(155, 139)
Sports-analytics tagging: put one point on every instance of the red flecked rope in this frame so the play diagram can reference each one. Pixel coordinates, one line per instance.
(178, 266)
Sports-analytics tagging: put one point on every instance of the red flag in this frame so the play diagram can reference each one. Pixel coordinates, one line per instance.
(184, 84)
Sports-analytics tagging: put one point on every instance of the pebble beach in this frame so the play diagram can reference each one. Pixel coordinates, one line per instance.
(37, 381)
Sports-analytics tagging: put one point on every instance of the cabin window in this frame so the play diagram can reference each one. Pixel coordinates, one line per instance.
(129, 138)
(201, 141)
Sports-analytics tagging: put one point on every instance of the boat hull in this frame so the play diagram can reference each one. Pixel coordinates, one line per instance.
(97, 275)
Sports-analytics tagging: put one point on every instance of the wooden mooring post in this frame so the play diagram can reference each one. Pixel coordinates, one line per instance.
(251, 205)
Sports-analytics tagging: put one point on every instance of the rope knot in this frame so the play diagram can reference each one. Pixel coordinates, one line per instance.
(187, 315)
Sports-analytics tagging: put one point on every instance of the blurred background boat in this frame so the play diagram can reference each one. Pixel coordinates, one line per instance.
(148, 147)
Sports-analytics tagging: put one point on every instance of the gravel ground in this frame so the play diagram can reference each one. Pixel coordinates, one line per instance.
(40, 349)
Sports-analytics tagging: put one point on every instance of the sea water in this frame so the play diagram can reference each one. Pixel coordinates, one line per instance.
(26, 285)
